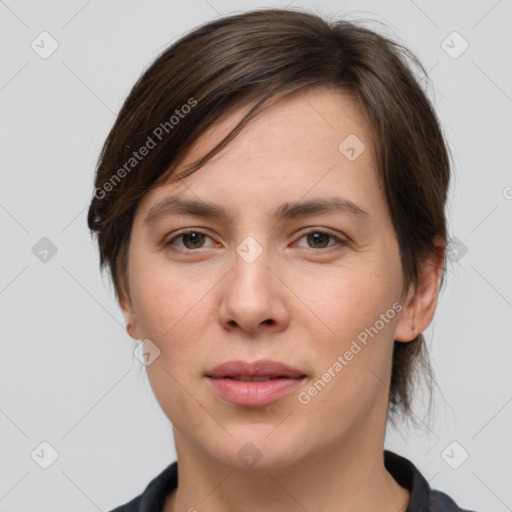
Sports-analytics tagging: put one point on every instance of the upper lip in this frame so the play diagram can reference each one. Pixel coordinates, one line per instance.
(263, 367)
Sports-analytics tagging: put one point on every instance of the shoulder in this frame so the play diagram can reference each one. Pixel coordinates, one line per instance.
(154, 495)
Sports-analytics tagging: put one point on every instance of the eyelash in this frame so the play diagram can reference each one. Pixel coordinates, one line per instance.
(339, 241)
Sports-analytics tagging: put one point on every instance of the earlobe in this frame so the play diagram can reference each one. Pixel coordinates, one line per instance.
(131, 326)
(131, 329)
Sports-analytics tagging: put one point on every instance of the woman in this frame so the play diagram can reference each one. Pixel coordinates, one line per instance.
(270, 204)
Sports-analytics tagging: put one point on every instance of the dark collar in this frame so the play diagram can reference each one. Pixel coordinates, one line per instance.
(423, 498)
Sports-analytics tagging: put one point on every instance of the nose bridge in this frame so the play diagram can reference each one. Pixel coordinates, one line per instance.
(252, 296)
(250, 249)
(251, 266)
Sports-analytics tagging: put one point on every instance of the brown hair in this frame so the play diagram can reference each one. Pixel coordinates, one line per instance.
(271, 53)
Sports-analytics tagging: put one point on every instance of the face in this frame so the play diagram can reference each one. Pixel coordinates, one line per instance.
(318, 289)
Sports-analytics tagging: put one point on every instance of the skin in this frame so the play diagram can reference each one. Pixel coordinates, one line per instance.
(207, 305)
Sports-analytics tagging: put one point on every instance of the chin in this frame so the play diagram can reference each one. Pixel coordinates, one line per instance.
(259, 449)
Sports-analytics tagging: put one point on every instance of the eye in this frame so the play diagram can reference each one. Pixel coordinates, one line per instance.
(319, 239)
(192, 239)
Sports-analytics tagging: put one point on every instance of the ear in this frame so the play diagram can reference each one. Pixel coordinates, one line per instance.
(130, 317)
(420, 304)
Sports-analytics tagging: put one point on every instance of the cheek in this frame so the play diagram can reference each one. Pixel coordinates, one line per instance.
(352, 318)
(165, 302)
(175, 313)
(343, 302)
(172, 314)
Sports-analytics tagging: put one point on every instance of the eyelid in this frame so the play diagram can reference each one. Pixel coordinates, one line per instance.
(317, 229)
(341, 240)
(185, 231)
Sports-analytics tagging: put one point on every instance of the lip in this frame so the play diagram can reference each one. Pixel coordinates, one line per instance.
(263, 367)
(254, 394)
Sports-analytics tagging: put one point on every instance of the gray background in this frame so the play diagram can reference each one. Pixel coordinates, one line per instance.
(68, 376)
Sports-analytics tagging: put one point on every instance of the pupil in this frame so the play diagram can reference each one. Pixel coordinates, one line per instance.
(317, 237)
(195, 237)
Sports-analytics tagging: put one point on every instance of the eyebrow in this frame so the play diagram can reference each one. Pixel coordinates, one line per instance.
(176, 205)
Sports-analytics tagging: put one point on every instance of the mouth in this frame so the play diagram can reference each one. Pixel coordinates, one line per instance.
(254, 391)
(254, 384)
(257, 378)
(244, 370)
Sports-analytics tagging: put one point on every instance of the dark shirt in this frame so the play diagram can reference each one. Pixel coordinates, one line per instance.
(423, 498)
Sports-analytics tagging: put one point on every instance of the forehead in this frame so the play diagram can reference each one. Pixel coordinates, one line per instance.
(317, 112)
(294, 147)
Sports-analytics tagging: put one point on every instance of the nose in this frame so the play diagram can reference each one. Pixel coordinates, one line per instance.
(254, 297)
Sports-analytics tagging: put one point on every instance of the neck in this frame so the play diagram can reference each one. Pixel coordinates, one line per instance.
(345, 477)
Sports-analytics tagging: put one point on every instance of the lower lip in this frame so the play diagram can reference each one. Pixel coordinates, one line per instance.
(254, 394)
